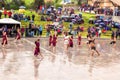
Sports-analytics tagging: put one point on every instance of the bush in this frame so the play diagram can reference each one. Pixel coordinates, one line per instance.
(49, 3)
(12, 6)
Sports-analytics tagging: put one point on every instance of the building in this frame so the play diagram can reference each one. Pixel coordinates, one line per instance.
(104, 3)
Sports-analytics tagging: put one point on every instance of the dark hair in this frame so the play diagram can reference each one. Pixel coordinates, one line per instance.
(38, 39)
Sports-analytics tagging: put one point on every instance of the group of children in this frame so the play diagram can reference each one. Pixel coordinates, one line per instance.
(68, 42)
(5, 38)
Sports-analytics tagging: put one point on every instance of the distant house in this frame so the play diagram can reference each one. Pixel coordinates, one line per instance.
(104, 3)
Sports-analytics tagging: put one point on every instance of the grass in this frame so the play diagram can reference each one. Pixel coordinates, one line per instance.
(86, 17)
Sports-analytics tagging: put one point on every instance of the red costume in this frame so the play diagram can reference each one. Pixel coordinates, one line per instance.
(37, 48)
(50, 40)
(71, 41)
(9, 14)
(5, 12)
(18, 36)
(4, 39)
(79, 40)
(54, 41)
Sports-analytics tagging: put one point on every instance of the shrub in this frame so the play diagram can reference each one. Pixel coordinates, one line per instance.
(49, 3)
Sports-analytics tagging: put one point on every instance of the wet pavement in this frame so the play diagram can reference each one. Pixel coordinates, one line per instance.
(20, 64)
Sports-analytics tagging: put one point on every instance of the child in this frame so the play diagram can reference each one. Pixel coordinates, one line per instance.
(4, 39)
(37, 49)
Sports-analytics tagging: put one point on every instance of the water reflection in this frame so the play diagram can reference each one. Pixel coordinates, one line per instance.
(36, 66)
(12, 64)
(91, 66)
(53, 58)
(4, 53)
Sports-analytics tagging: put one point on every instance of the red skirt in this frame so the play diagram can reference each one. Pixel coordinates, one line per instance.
(79, 43)
(50, 43)
(37, 51)
(54, 44)
(4, 41)
(71, 44)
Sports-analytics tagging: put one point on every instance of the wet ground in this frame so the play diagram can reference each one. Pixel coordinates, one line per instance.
(20, 64)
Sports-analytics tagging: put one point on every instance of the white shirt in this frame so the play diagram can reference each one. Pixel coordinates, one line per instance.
(66, 39)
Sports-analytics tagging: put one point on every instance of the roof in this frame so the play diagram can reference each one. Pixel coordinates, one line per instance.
(116, 2)
(9, 21)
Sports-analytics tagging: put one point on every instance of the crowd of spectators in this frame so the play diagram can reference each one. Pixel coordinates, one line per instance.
(59, 15)
(98, 10)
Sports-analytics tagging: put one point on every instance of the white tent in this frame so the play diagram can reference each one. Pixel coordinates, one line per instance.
(9, 21)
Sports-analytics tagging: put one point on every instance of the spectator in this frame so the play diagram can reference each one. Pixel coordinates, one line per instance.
(99, 32)
(0, 14)
(43, 9)
(118, 33)
(33, 17)
(48, 30)
(9, 14)
(70, 27)
(113, 34)
(40, 30)
(5, 13)
(5, 28)
(42, 18)
(22, 31)
(28, 18)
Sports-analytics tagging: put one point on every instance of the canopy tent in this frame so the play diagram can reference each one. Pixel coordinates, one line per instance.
(10, 24)
(22, 7)
(9, 21)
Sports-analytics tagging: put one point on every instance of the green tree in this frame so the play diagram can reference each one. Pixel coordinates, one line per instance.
(39, 2)
(79, 2)
(56, 1)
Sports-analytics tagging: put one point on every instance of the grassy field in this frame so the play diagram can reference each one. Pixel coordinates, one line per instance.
(86, 17)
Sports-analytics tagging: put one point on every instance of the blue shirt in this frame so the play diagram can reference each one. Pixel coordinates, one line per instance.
(40, 28)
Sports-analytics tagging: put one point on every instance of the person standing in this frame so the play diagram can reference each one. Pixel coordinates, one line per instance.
(40, 30)
(66, 42)
(9, 14)
(37, 49)
(47, 30)
(113, 42)
(79, 39)
(5, 13)
(4, 39)
(0, 14)
(93, 49)
(118, 33)
(50, 39)
(33, 17)
(18, 36)
(22, 31)
(54, 42)
(99, 32)
(71, 41)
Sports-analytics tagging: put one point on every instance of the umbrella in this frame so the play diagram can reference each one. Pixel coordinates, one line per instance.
(49, 9)
(22, 7)
(102, 23)
(96, 23)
